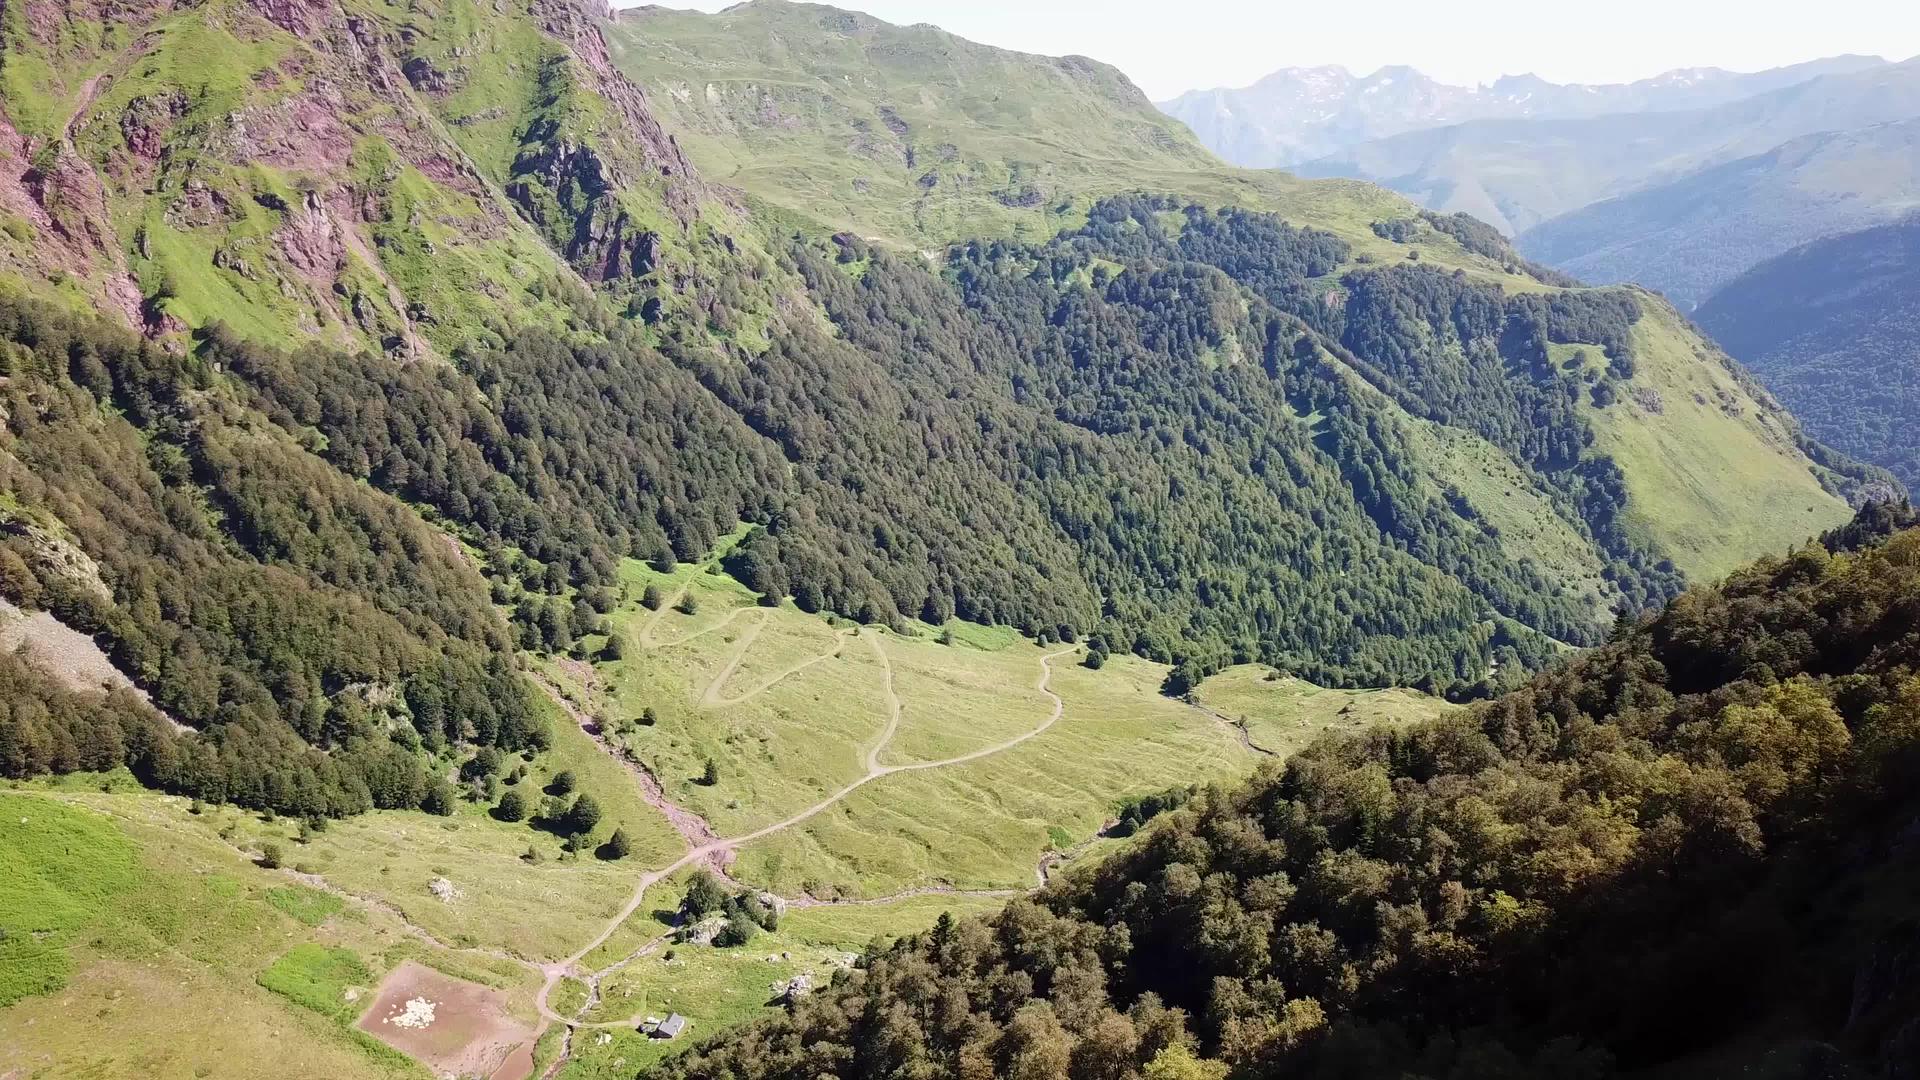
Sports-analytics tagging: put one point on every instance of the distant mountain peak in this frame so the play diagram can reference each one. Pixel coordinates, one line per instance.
(1298, 114)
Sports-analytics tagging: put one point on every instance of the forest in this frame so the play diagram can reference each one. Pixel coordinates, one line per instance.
(1690, 835)
(317, 634)
(960, 449)
(1173, 431)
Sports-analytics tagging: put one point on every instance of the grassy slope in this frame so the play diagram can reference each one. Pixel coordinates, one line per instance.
(715, 988)
(273, 123)
(159, 917)
(1283, 714)
(835, 120)
(727, 683)
(1713, 473)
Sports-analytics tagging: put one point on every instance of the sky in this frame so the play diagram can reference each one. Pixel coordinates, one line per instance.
(1168, 46)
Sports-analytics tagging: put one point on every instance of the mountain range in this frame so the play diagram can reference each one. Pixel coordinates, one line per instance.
(378, 380)
(1299, 115)
(1689, 237)
(1518, 173)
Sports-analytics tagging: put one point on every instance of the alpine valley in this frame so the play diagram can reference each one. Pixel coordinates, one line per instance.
(533, 539)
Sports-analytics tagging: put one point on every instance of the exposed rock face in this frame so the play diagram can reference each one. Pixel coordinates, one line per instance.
(311, 243)
(425, 77)
(356, 89)
(565, 189)
(576, 24)
(146, 121)
(72, 205)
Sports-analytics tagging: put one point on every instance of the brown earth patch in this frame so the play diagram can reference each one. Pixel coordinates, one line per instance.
(449, 1025)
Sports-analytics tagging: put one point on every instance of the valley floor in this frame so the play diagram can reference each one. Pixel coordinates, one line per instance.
(871, 780)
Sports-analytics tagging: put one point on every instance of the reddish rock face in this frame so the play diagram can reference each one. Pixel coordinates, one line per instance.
(147, 120)
(312, 244)
(348, 77)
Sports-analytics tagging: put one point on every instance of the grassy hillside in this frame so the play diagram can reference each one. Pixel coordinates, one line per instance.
(1689, 237)
(409, 178)
(1715, 470)
(919, 139)
(1832, 327)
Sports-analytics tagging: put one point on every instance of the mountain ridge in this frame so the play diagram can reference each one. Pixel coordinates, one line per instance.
(1266, 124)
(1831, 326)
(1689, 237)
(1515, 173)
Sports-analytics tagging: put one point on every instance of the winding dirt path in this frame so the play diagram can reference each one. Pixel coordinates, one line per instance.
(554, 972)
(894, 707)
(714, 697)
(650, 639)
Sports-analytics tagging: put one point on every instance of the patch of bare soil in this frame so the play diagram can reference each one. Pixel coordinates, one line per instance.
(69, 656)
(452, 1026)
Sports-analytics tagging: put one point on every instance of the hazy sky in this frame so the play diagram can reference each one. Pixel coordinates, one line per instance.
(1172, 45)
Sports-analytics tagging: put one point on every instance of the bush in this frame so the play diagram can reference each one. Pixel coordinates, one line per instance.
(705, 895)
(438, 800)
(651, 598)
(270, 856)
(562, 783)
(513, 807)
(739, 930)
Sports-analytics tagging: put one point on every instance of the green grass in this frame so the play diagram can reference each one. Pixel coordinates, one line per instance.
(984, 824)
(155, 917)
(717, 988)
(305, 905)
(1284, 714)
(1713, 474)
(538, 909)
(59, 868)
(918, 138)
(330, 981)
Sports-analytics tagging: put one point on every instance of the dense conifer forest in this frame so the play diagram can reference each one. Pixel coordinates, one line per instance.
(1691, 832)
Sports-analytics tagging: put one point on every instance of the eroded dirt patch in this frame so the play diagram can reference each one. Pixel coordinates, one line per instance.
(452, 1026)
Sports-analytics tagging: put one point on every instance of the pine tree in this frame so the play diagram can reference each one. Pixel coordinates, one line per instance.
(617, 846)
(583, 815)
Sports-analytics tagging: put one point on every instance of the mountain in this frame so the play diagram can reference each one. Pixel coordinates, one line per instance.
(461, 486)
(1832, 327)
(1378, 453)
(1688, 852)
(1694, 235)
(1517, 173)
(1297, 115)
(346, 173)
